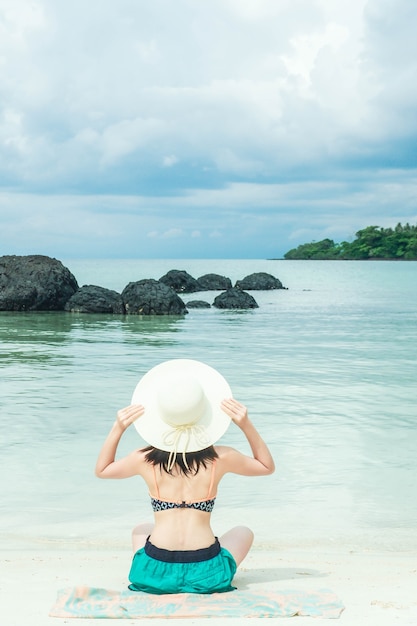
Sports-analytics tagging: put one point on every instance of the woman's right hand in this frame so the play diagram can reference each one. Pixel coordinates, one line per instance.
(128, 415)
(237, 411)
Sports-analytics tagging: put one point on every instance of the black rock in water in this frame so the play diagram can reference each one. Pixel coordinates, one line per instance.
(34, 283)
(180, 281)
(214, 282)
(235, 299)
(198, 304)
(151, 297)
(260, 281)
(94, 299)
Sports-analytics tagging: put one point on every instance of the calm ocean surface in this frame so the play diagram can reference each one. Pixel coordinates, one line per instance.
(327, 368)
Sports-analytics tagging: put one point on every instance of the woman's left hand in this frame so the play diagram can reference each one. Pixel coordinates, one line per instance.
(128, 415)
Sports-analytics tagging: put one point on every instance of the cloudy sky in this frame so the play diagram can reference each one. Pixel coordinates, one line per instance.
(204, 128)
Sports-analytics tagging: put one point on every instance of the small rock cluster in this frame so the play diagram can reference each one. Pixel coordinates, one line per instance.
(40, 283)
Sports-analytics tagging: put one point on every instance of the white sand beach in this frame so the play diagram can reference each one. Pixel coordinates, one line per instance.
(376, 587)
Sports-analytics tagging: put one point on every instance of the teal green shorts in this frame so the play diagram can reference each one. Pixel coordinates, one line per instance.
(159, 571)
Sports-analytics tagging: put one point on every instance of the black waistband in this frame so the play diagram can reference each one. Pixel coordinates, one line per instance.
(182, 556)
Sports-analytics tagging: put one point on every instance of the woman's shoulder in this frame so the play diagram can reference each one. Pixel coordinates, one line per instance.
(224, 450)
(138, 458)
(226, 453)
(138, 453)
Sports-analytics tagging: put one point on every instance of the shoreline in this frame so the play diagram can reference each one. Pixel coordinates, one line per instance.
(376, 587)
(277, 528)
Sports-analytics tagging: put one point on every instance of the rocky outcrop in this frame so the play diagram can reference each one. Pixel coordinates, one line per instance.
(94, 299)
(152, 297)
(180, 281)
(235, 299)
(41, 283)
(260, 281)
(198, 304)
(34, 283)
(214, 282)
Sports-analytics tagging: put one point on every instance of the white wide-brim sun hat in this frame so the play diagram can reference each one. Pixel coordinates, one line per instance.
(182, 400)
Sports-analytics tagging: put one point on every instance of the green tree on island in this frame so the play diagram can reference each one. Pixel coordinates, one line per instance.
(372, 242)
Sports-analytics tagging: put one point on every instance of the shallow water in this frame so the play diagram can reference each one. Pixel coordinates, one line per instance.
(327, 369)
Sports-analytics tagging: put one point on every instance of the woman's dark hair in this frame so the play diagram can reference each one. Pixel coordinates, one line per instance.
(194, 460)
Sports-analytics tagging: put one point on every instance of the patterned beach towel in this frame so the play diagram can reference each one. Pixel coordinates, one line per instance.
(91, 602)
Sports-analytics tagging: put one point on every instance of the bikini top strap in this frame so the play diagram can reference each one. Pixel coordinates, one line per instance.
(213, 469)
(209, 496)
(155, 483)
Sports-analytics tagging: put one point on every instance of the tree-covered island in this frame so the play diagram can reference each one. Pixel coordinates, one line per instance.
(372, 242)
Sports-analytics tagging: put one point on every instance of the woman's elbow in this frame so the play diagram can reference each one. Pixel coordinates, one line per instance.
(269, 469)
(99, 473)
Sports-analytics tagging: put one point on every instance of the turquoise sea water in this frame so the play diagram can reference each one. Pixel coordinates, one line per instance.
(327, 368)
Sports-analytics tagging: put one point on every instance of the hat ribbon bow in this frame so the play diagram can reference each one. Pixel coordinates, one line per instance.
(173, 437)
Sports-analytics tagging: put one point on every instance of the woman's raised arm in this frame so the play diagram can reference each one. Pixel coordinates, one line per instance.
(261, 463)
(107, 466)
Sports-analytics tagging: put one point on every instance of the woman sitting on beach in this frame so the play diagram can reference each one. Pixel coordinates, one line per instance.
(181, 408)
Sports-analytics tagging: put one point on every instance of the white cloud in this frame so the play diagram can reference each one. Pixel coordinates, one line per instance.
(172, 233)
(19, 20)
(307, 47)
(243, 219)
(125, 137)
(180, 118)
(169, 161)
